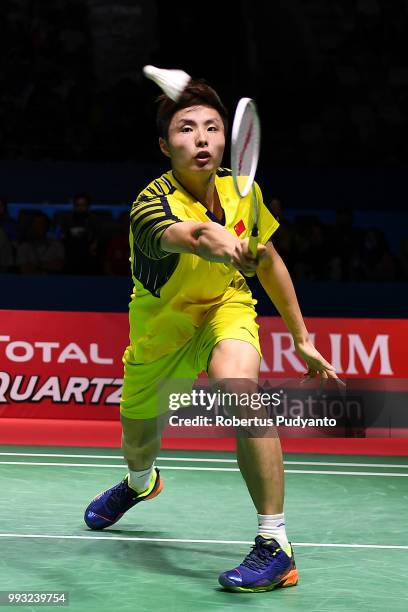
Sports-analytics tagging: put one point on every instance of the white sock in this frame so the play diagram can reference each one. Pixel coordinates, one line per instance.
(140, 481)
(273, 526)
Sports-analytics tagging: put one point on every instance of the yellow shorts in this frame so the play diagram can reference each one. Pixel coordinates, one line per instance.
(141, 398)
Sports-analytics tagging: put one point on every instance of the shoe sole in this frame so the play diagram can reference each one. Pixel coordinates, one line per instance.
(291, 579)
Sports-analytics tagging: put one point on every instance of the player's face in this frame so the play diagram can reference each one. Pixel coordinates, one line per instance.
(196, 139)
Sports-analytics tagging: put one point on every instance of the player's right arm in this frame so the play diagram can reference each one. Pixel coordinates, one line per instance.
(210, 241)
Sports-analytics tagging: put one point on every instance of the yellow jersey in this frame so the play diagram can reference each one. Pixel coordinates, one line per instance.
(174, 292)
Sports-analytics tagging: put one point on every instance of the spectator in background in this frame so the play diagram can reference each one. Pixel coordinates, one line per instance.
(316, 252)
(309, 249)
(372, 260)
(6, 252)
(343, 242)
(283, 239)
(7, 223)
(38, 254)
(306, 239)
(117, 252)
(80, 234)
(276, 209)
(404, 260)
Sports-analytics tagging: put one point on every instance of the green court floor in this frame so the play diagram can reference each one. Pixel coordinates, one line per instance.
(347, 517)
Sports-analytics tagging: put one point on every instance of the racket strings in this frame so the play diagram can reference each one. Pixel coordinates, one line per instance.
(242, 158)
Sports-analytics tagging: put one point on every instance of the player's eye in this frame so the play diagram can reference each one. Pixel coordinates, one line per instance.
(185, 129)
(213, 128)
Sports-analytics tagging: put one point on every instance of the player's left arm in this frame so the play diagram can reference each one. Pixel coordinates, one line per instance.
(275, 279)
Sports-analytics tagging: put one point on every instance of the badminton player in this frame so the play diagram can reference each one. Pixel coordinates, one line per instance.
(192, 310)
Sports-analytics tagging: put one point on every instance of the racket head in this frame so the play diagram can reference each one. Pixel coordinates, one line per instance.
(245, 145)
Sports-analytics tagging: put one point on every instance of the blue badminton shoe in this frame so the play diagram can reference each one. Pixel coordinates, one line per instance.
(265, 568)
(108, 507)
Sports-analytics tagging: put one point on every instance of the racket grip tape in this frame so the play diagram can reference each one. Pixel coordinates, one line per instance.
(253, 243)
(253, 247)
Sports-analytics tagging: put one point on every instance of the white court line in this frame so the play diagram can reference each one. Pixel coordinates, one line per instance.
(193, 459)
(121, 466)
(191, 541)
(208, 460)
(201, 469)
(347, 464)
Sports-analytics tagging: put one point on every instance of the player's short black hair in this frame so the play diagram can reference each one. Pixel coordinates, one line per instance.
(197, 92)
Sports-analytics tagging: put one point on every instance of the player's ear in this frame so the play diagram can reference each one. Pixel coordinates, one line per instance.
(164, 147)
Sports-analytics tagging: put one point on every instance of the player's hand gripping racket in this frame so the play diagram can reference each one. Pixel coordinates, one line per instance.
(245, 145)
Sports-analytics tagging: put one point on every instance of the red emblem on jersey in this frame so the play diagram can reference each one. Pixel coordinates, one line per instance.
(239, 227)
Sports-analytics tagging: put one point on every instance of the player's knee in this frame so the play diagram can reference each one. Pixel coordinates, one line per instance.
(236, 395)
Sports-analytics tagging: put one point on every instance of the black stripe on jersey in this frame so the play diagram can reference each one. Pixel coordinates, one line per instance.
(148, 222)
(159, 188)
(153, 273)
(167, 209)
(143, 197)
(171, 187)
(148, 213)
(148, 237)
(153, 205)
(224, 172)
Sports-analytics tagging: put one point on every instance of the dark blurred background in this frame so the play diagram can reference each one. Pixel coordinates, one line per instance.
(77, 117)
(330, 76)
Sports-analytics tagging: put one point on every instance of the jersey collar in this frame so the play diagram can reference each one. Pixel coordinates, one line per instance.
(186, 197)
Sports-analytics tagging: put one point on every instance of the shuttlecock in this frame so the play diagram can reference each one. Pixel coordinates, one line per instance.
(172, 82)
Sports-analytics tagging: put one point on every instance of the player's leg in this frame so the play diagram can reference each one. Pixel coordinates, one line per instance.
(141, 439)
(259, 459)
(143, 416)
(140, 445)
(270, 564)
(141, 433)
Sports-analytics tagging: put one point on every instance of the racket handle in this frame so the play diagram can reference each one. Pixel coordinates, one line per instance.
(253, 247)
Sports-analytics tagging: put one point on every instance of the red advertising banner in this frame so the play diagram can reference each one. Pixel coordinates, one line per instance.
(63, 365)
(67, 365)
